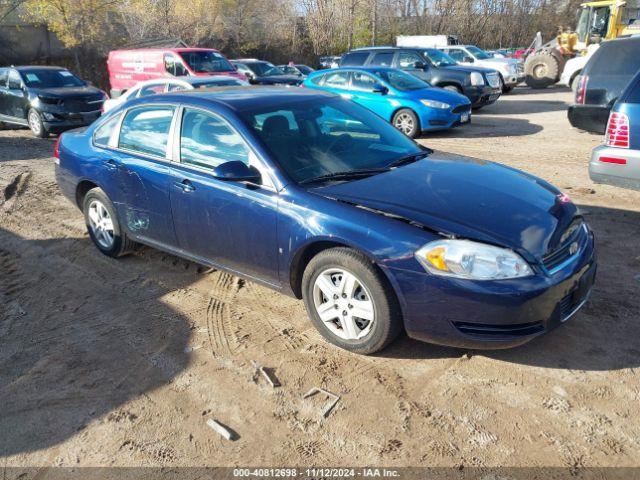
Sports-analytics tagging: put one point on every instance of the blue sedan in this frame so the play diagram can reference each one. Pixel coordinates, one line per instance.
(410, 104)
(317, 197)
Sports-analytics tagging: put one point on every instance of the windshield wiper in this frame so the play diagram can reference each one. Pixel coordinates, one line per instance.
(348, 175)
(414, 157)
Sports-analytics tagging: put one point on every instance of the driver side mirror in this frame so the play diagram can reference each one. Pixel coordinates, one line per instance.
(420, 65)
(236, 171)
(377, 88)
(468, 59)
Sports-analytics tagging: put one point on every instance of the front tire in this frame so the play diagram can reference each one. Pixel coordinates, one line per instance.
(103, 225)
(35, 124)
(349, 301)
(407, 122)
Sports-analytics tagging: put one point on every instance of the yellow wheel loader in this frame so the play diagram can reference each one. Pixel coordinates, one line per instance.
(598, 21)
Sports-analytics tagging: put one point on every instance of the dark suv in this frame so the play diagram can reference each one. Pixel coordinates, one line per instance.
(47, 99)
(480, 85)
(603, 79)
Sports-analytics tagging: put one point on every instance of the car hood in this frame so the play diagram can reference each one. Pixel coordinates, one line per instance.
(467, 198)
(67, 92)
(466, 69)
(439, 94)
(498, 62)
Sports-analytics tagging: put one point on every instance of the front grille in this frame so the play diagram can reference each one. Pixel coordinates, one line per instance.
(493, 80)
(563, 253)
(89, 104)
(520, 67)
(461, 109)
(511, 330)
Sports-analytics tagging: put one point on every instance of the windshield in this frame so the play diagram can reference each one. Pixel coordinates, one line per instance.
(327, 135)
(263, 69)
(401, 80)
(205, 62)
(438, 58)
(478, 53)
(51, 79)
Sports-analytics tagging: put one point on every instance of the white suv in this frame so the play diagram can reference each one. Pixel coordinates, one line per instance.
(511, 70)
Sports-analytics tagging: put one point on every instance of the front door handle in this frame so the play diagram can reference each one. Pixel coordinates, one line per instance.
(186, 186)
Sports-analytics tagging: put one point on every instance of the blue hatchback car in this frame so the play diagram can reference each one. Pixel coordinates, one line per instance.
(317, 197)
(410, 104)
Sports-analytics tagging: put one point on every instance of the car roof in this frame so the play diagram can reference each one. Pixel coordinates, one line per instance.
(362, 49)
(243, 98)
(27, 68)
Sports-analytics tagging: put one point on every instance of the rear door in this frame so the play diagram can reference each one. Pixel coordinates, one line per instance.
(231, 224)
(140, 167)
(338, 82)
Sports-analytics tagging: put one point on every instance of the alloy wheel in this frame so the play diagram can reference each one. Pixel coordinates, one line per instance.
(34, 122)
(404, 123)
(343, 303)
(101, 224)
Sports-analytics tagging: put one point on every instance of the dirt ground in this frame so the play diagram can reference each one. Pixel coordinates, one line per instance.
(121, 362)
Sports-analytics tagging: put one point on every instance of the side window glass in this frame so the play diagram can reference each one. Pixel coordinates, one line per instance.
(173, 66)
(383, 59)
(146, 130)
(408, 59)
(15, 82)
(337, 79)
(354, 59)
(102, 135)
(362, 81)
(207, 141)
(457, 55)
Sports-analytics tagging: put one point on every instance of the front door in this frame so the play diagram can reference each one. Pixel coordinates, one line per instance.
(362, 89)
(231, 224)
(16, 102)
(407, 60)
(140, 165)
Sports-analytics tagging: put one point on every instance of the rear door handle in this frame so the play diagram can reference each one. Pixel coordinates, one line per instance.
(186, 186)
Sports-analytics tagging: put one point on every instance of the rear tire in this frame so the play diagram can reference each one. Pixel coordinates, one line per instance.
(103, 225)
(407, 122)
(367, 291)
(35, 124)
(542, 69)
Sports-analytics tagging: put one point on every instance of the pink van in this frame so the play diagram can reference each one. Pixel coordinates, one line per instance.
(128, 67)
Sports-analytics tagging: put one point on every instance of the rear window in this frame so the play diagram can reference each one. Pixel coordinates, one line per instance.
(616, 58)
(354, 59)
(633, 92)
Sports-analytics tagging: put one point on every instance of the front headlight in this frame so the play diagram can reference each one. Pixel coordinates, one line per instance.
(477, 79)
(435, 104)
(471, 260)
